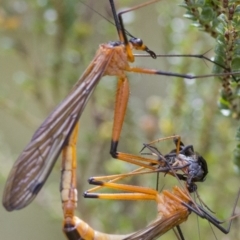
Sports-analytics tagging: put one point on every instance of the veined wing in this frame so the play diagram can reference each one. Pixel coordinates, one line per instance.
(159, 226)
(34, 165)
(171, 213)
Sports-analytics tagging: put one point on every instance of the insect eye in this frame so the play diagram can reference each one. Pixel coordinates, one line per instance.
(136, 42)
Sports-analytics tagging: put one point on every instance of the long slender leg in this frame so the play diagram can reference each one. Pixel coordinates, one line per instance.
(122, 97)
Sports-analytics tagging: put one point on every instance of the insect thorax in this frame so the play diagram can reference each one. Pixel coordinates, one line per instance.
(119, 62)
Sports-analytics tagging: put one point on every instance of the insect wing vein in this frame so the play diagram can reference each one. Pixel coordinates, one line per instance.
(34, 165)
(156, 228)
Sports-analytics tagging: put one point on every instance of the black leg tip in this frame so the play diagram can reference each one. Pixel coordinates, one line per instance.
(94, 182)
(89, 195)
(113, 150)
(90, 180)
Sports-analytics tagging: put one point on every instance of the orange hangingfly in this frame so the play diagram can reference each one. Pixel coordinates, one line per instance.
(33, 166)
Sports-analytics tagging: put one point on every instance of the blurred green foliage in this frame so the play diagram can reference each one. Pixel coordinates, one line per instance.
(221, 21)
(45, 46)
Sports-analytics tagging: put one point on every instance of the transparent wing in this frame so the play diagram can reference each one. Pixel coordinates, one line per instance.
(155, 229)
(34, 165)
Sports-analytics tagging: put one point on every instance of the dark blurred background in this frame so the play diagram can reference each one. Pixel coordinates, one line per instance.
(45, 45)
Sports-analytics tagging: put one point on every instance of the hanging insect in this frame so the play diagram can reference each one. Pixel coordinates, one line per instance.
(35, 163)
(193, 165)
